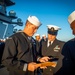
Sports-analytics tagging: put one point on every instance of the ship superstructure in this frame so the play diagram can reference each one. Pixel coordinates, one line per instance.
(6, 21)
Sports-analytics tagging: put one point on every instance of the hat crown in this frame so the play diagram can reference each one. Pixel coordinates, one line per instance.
(71, 17)
(34, 20)
(43, 35)
(53, 27)
(37, 34)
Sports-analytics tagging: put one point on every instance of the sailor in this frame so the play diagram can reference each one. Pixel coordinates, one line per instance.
(43, 37)
(37, 37)
(18, 55)
(68, 51)
(51, 47)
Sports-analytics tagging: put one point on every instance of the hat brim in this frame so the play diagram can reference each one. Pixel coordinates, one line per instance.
(53, 32)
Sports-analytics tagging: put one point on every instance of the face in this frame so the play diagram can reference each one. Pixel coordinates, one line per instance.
(37, 38)
(31, 29)
(51, 37)
(73, 27)
(44, 37)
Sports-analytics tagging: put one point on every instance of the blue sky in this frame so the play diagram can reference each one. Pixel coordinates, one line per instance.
(54, 12)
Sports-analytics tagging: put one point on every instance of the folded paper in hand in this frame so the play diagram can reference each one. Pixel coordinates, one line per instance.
(53, 64)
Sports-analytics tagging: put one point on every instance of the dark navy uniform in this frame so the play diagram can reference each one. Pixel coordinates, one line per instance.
(17, 52)
(2, 44)
(68, 62)
(51, 48)
(54, 51)
(38, 44)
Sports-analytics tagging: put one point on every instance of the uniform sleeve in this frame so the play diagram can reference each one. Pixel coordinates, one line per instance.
(9, 58)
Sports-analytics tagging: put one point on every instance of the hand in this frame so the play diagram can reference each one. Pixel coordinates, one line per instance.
(32, 66)
(44, 59)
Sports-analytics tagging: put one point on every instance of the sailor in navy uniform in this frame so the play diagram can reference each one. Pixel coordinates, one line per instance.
(18, 55)
(51, 48)
(37, 41)
(68, 51)
(43, 37)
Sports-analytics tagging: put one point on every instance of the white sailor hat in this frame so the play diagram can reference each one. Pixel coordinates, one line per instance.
(37, 34)
(43, 35)
(52, 29)
(34, 20)
(53, 26)
(71, 17)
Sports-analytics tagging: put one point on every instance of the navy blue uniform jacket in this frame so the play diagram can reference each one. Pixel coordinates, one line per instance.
(68, 61)
(16, 54)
